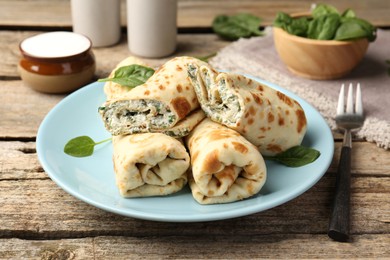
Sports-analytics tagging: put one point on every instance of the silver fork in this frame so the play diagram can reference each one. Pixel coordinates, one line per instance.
(347, 119)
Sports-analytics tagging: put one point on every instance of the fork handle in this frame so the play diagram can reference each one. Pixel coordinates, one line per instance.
(339, 221)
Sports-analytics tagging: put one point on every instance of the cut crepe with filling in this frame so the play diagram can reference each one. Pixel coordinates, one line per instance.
(225, 166)
(159, 104)
(112, 89)
(266, 117)
(183, 127)
(149, 164)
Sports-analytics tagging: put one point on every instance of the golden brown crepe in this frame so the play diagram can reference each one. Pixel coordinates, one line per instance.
(112, 89)
(266, 117)
(225, 166)
(149, 164)
(158, 105)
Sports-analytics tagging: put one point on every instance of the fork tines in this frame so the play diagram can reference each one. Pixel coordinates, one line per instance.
(350, 107)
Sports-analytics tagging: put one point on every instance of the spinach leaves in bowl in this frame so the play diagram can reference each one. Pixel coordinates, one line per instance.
(327, 23)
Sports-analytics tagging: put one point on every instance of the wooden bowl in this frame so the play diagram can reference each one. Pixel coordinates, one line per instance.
(318, 59)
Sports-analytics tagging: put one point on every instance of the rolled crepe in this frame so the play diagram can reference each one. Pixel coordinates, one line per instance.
(159, 104)
(149, 164)
(225, 166)
(266, 117)
(112, 89)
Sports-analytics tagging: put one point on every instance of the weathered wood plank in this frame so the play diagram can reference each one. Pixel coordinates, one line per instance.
(367, 159)
(199, 247)
(9, 48)
(107, 58)
(244, 247)
(191, 13)
(45, 250)
(23, 109)
(34, 207)
(19, 159)
(37, 208)
(201, 13)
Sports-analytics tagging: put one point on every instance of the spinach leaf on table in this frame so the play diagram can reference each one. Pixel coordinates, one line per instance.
(237, 26)
(207, 57)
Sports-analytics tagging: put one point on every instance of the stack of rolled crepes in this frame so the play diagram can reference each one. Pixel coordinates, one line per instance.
(147, 123)
(166, 103)
(245, 119)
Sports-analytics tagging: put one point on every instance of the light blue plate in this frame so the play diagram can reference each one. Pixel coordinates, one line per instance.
(91, 179)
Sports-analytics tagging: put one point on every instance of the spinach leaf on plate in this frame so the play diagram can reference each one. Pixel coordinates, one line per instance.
(131, 75)
(296, 156)
(81, 146)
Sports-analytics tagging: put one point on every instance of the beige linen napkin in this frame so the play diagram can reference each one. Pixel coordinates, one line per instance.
(257, 56)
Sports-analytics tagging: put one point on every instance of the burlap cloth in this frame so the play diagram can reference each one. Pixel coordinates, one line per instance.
(257, 57)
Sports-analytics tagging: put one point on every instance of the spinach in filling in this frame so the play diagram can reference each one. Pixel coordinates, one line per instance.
(135, 116)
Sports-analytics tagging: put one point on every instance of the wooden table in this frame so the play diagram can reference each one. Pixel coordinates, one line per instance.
(40, 220)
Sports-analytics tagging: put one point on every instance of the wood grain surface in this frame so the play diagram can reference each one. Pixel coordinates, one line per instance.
(39, 220)
(191, 13)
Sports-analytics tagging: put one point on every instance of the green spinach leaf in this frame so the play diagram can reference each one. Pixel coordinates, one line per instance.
(323, 9)
(298, 26)
(131, 75)
(324, 27)
(283, 20)
(355, 28)
(296, 156)
(237, 26)
(348, 13)
(207, 57)
(81, 146)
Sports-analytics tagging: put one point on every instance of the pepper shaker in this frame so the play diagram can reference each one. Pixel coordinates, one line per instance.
(152, 27)
(99, 20)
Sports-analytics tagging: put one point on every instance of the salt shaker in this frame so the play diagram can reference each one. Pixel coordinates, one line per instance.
(99, 20)
(152, 27)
